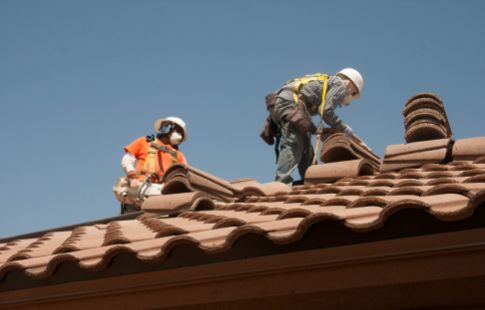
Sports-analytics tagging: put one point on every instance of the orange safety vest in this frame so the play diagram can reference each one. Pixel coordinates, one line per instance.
(153, 156)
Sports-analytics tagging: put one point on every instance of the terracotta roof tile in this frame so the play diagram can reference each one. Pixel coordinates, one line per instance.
(175, 202)
(427, 114)
(45, 245)
(127, 231)
(83, 237)
(469, 149)
(11, 248)
(425, 130)
(180, 179)
(400, 156)
(337, 170)
(428, 96)
(340, 147)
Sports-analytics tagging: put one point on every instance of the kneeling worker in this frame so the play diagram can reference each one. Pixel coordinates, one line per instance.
(291, 108)
(146, 159)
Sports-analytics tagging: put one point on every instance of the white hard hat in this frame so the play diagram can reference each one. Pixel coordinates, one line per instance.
(354, 76)
(174, 120)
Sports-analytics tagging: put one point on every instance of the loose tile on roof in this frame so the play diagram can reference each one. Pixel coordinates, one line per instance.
(337, 170)
(416, 154)
(171, 203)
(470, 148)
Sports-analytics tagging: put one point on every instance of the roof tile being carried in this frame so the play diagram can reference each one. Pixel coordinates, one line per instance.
(341, 147)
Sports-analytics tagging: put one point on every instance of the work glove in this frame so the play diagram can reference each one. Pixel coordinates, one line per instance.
(133, 179)
(269, 131)
(348, 131)
(132, 174)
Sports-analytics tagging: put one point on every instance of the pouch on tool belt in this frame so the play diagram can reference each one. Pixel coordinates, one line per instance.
(301, 119)
(270, 130)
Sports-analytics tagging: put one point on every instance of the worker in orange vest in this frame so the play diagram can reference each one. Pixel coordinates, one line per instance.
(145, 161)
(153, 155)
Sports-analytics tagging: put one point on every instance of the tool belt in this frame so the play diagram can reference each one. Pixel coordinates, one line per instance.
(269, 132)
(300, 118)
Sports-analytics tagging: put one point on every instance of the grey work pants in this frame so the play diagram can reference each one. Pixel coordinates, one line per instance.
(294, 151)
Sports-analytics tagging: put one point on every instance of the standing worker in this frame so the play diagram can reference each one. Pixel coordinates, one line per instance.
(147, 158)
(290, 110)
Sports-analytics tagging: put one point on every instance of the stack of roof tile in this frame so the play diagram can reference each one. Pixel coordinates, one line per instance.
(340, 147)
(425, 118)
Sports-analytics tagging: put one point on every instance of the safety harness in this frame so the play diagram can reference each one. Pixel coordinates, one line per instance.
(298, 83)
(153, 150)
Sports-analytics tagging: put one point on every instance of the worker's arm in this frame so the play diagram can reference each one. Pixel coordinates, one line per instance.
(335, 96)
(128, 164)
(132, 152)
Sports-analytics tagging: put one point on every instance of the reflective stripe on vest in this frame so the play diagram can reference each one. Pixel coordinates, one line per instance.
(149, 165)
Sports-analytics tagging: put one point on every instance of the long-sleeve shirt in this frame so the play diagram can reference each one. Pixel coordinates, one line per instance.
(128, 163)
(312, 96)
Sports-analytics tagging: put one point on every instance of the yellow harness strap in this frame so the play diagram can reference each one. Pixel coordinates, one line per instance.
(324, 96)
(149, 165)
(299, 82)
(322, 110)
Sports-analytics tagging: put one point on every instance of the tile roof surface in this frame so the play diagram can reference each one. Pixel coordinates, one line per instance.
(442, 178)
(449, 192)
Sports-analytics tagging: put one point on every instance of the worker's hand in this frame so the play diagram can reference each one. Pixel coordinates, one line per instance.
(135, 183)
(132, 175)
(348, 131)
(133, 179)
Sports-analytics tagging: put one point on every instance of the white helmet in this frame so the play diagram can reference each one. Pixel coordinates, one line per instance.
(354, 76)
(174, 120)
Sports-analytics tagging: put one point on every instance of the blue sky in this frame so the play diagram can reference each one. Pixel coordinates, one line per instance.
(81, 79)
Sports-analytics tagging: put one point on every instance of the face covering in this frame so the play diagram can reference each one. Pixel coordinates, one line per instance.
(175, 138)
(347, 100)
(349, 92)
